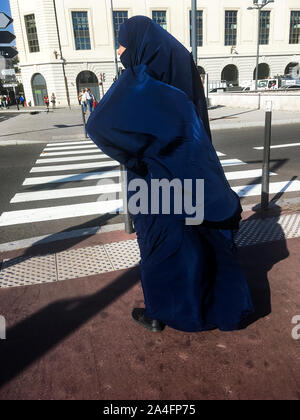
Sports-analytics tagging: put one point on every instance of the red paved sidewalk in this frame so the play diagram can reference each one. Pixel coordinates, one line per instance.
(75, 339)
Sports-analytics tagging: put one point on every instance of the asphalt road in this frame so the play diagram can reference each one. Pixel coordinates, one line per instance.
(240, 143)
(7, 116)
(16, 162)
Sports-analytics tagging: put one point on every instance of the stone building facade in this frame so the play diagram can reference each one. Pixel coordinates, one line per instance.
(66, 44)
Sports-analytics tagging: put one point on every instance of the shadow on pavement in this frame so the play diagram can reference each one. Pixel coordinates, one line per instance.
(233, 115)
(55, 127)
(257, 260)
(54, 245)
(30, 339)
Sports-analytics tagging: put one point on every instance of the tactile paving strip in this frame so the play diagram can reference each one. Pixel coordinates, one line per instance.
(269, 229)
(98, 259)
(24, 271)
(123, 254)
(82, 262)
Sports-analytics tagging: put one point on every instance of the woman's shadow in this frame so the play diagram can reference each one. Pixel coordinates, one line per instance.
(262, 244)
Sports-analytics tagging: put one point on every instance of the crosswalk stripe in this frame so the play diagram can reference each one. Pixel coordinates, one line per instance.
(279, 146)
(275, 187)
(220, 154)
(75, 152)
(76, 166)
(46, 160)
(51, 149)
(253, 173)
(71, 143)
(66, 193)
(60, 212)
(86, 176)
(232, 162)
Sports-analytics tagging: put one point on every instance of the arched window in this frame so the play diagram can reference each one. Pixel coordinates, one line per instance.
(39, 89)
(230, 73)
(293, 69)
(263, 71)
(88, 79)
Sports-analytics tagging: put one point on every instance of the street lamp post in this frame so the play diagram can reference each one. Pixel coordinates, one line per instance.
(194, 30)
(114, 38)
(127, 219)
(258, 4)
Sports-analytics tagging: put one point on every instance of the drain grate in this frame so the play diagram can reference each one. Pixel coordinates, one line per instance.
(82, 262)
(123, 254)
(24, 271)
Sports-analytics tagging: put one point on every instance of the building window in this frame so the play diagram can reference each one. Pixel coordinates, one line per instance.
(295, 27)
(230, 27)
(264, 27)
(119, 19)
(81, 30)
(160, 17)
(33, 42)
(199, 28)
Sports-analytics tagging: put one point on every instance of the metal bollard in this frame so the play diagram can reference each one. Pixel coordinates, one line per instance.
(266, 158)
(127, 219)
(84, 122)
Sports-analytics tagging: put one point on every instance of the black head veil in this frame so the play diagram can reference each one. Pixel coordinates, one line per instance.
(166, 59)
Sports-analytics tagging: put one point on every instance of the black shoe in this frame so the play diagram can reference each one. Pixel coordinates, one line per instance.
(138, 314)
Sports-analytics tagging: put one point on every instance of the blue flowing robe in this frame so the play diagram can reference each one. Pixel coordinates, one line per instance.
(190, 277)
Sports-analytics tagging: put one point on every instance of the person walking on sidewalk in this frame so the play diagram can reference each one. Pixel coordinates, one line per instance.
(53, 100)
(46, 102)
(22, 100)
(82, 100)
(154, 121)
(89, 99)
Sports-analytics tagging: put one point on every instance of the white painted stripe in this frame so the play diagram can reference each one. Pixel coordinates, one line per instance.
(76, 152)
(71, 158)
(76, 166)
(51, 149)
(60, 212)
(220, 154)
(40, 240)
(279, 146)
(253, 173)
(66, 193)
(275, 187)
(72, 177)
(232, 162)
(67, 143)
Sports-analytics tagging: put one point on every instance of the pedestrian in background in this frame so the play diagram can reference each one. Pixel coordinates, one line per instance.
(155, 122)
(95, 103)
(82, 100)
(4, 101)
(53, 100)
(90, 99)
(22, 100)
(46, 101)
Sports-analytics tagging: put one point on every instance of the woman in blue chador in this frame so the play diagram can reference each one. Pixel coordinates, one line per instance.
(154, 121)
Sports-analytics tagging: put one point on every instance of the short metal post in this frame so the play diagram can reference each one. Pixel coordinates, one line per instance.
(266, 158)
(127, 219)
(84, 122)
